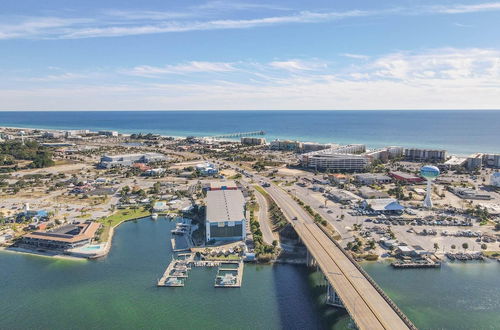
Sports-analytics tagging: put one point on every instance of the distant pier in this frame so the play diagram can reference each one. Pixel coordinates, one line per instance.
(238, 134)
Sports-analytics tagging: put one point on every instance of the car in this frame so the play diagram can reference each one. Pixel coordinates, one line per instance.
(294, 218)
(329, 211)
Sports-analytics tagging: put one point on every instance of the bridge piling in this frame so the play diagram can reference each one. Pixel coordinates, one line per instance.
(332, 298)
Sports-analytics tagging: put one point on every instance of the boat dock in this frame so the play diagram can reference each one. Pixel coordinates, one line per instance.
(176, 272)
(229, 275)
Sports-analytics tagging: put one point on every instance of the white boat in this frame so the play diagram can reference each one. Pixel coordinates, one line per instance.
(154, 216)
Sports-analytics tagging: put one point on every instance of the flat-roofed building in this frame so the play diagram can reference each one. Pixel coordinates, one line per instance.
(225, 215)
(474, 162)
(62, 238)
(126, 160)
(222, 185)
(491, 160)
(367, 192)
(425, 155)
(344, 158)
(406, 177)
(253, 141)
(455, 162)
(288, 145)
(371, 178)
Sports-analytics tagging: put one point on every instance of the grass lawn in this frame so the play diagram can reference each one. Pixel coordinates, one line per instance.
(118, 217)
(492, 254)
(261, 190)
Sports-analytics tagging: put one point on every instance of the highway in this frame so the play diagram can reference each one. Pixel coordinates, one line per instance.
(365, 304)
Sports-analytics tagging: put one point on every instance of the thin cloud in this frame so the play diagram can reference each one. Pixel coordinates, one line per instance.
(355, 56)
(463, 9)
(115, 23)
(185, 68)
(297, 65)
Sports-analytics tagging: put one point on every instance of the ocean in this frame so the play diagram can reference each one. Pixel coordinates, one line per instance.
(459, 132)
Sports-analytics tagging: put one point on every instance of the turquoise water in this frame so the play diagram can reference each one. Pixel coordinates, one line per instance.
(119, 292)
(461, 132)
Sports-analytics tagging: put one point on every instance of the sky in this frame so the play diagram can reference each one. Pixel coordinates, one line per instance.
(246, 55)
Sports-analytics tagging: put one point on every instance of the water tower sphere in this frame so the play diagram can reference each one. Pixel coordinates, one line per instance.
(429, 172)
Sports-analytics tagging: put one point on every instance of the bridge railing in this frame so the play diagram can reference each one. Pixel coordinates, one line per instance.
(396, 309)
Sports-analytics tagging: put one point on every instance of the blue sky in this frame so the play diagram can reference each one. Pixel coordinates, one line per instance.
(154, 55)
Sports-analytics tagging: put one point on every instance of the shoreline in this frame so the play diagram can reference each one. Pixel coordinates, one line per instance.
(40, 254)
(178, 137)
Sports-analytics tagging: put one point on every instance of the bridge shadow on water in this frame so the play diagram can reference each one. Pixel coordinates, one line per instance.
(301, 295)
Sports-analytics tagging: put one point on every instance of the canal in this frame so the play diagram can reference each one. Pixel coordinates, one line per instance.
(119, 292)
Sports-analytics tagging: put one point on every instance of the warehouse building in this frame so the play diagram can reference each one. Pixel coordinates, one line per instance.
(225, 215)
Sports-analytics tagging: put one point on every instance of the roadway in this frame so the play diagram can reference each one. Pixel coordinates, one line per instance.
(365, 304)
(263, 218)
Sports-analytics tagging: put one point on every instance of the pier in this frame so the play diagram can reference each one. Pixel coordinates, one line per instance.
(177, 271)
(238, 134)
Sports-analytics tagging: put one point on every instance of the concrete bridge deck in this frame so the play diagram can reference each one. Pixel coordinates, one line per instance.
(367, 305)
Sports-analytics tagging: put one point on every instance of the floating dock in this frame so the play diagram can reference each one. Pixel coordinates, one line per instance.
(176, 272)
(229, 275)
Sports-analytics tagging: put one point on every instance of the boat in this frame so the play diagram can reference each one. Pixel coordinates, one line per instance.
(154, 216)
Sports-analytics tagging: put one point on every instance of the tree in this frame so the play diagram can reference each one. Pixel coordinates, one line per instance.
(465, 246)
(436, 247)
(484, 246)
(453, 246)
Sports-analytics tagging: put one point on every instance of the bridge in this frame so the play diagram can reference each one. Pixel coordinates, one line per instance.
(350, 286)
(238, 134)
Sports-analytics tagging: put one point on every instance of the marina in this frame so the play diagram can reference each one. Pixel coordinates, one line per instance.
(229, 275)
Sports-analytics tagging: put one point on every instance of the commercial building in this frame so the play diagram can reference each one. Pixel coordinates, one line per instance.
(62, 238)
(383, 205)
(406, 177)
(368, 193)
(425, 155)
(343, 158)
(466, 193)
(222, 185)
(225, 215)
(372, 178)
(253, 141)
(108, 161)
(207, 168)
